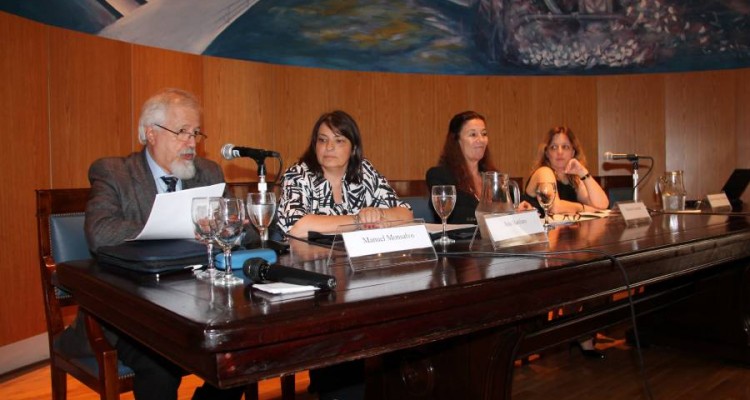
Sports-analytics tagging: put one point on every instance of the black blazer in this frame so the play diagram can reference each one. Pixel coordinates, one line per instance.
(466, 203)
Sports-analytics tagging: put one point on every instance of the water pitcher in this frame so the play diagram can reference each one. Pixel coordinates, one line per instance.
(671, 188)
(495, 197)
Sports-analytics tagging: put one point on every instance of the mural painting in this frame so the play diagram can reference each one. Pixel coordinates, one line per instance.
(468, 37)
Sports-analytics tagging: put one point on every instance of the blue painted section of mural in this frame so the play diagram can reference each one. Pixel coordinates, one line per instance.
(373, 35)
(459, 36)
(88, 16)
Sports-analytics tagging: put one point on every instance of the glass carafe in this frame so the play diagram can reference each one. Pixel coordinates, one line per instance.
(671, 189)
(496, 198)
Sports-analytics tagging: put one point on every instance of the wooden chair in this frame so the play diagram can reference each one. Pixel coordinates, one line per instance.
(60, 215)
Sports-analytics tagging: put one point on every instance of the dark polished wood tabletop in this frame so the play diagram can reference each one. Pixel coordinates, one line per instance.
(474, 307)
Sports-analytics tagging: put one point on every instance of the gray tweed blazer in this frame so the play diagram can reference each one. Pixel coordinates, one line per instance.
(122, 194)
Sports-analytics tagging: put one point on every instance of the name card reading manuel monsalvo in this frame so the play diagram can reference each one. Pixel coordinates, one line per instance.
(386, 240)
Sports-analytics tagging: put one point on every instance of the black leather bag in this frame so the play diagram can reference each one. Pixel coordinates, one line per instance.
(154, 256)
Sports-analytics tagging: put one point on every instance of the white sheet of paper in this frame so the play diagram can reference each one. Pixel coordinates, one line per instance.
(283, 288)
(170, 216)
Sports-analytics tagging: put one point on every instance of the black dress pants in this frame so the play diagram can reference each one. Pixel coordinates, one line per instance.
(158, 379)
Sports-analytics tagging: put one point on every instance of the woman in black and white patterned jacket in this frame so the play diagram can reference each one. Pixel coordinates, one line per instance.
(334, 185)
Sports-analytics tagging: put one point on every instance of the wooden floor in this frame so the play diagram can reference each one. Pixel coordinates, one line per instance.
(557, 374)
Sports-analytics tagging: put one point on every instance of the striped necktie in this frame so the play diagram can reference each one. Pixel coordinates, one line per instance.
(171, 182)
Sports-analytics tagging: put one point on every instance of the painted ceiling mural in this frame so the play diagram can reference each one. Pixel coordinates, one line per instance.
(469, 37)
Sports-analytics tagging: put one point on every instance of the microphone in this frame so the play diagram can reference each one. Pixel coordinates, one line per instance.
(230, 151)
(259, 270)
(619, 156)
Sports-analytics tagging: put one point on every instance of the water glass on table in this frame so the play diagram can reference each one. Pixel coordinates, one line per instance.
(229, 220)
(261, 208)
(545, 194)
(443, 201)
(203, 215)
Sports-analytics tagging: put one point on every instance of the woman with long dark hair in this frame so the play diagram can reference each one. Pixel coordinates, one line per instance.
(464, 157)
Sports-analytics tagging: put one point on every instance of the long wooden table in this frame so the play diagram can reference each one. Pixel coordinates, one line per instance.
(445, 329)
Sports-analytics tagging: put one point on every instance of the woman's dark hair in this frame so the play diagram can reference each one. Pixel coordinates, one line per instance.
(454, 159)
(342, 124)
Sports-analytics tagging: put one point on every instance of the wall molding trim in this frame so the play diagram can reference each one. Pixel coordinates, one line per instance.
(23, 353)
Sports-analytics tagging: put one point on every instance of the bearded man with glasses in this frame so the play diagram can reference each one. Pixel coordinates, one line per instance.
(123, 190)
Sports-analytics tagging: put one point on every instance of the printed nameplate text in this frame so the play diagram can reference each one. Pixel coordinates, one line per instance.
(634, 212)
(386, 240)
(511, 226)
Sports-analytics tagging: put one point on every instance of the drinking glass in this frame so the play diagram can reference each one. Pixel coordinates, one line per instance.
(261, 207)
(203, 223)
(545, 194)
(229, 220)
(443, 200)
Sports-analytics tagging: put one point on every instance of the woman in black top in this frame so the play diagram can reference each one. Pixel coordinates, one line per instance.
(464, 157)
(561, 160)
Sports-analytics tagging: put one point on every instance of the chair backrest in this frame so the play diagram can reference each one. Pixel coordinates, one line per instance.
(67, 239)
(616, 194)
(421, 207)
(60, 216)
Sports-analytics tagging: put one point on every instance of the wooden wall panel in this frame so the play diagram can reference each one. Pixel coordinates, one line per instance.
(742, 80)
(508, 105)
(701, 129)
(89, 103)
(404, 139)
(238, 98)
(23, 110)
(631, 120)
(154, 69)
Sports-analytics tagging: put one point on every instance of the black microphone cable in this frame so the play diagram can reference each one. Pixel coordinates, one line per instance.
(648, 172)
(612, 259)
(280, 170)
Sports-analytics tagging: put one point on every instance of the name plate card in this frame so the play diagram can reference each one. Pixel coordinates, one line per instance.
(719, 202)
(514, 226)
(634, 212)
(387, 240)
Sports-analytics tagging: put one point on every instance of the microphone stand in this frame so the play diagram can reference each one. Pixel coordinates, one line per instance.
(262, 188)
(635, 180)
(262, 185)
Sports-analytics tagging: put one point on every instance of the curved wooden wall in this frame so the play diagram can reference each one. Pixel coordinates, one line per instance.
(69, 98)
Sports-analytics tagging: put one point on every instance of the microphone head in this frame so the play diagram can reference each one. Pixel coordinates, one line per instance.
(253, 268)
(226, 151)
(608, 156)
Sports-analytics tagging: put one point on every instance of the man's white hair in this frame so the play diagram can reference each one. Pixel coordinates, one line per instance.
(154, 110)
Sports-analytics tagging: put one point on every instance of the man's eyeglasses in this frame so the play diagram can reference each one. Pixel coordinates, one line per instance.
(184, 135)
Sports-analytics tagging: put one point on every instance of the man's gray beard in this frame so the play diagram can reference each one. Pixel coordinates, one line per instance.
(183, 169)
